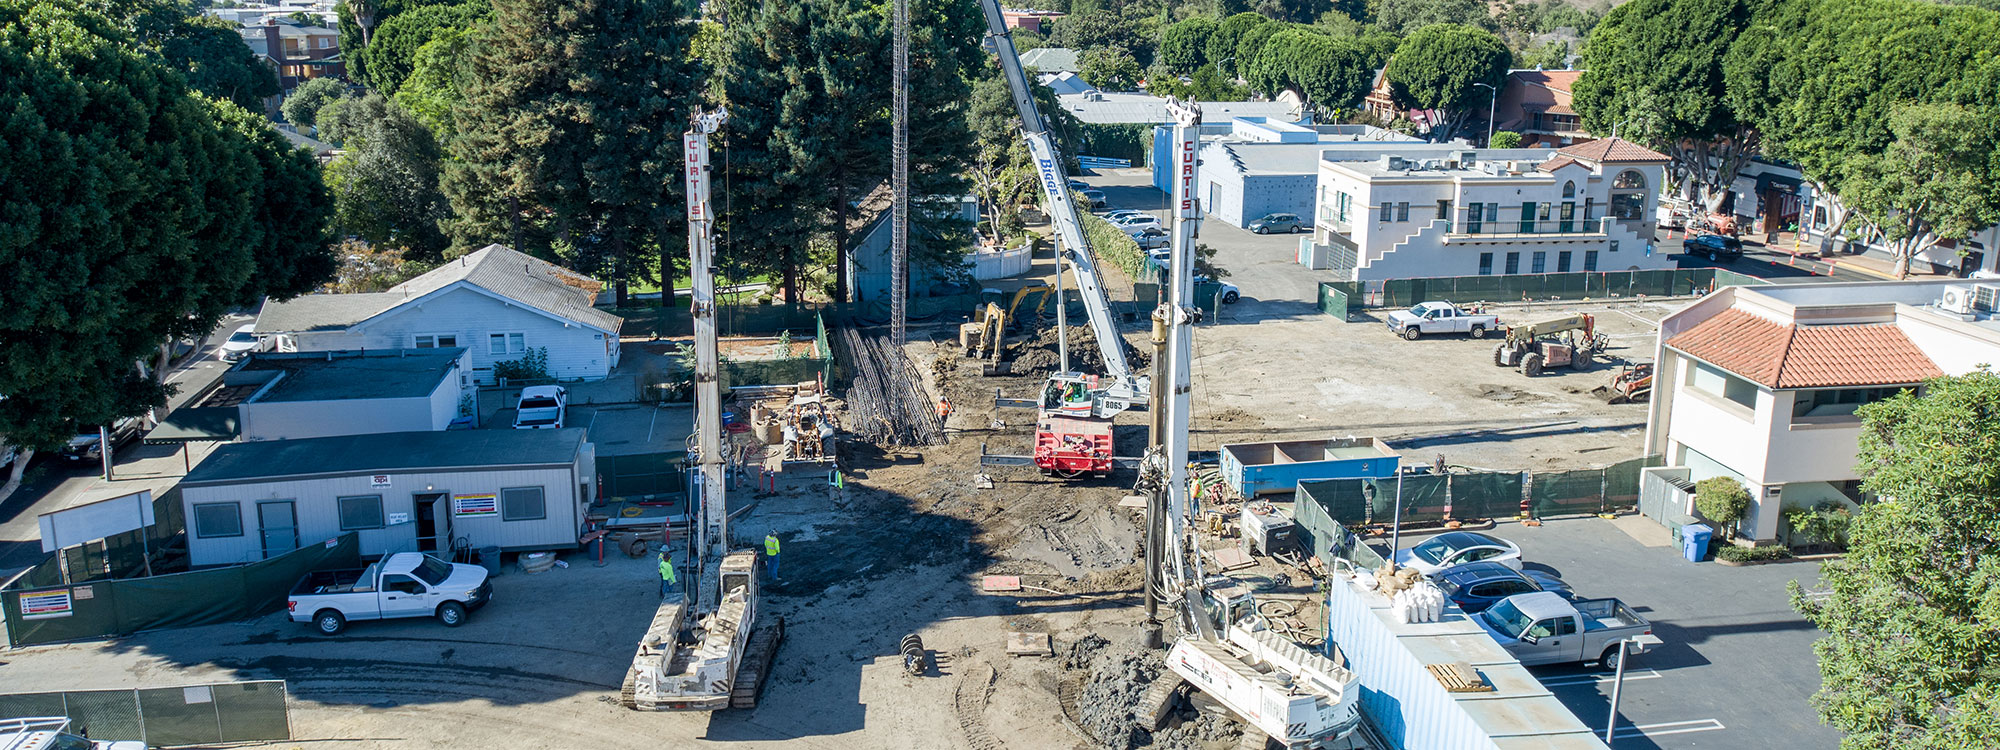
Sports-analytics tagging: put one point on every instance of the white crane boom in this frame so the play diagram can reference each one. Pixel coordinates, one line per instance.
(711, 533)
(1126, 387)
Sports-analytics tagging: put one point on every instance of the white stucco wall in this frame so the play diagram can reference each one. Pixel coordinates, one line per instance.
(575, 352)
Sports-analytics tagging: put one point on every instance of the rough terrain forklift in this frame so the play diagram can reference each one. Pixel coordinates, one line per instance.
(1568, 340)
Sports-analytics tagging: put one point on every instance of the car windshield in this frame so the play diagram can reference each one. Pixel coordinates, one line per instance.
(1419, 310)
(538, 402)
(1450, 587)
(432, 570)
(243, 337)
(1504, 617)
(1432, 551)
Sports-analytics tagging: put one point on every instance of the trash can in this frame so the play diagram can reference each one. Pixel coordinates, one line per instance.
(489, 557)
(1694, 541)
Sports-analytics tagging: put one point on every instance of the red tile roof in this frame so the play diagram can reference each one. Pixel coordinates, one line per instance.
(1554, 164)
(1612, 149)
(1778, 355)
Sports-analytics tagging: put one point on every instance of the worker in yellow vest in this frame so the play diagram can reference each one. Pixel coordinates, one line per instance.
(771, 551)
(667, 578)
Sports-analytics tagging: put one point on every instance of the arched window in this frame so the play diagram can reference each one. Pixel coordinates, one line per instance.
(1569, 189)
(1629, 179)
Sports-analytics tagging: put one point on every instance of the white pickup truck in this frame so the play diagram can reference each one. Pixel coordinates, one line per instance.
(1441, 317)
(406, 584)
(1545, 628)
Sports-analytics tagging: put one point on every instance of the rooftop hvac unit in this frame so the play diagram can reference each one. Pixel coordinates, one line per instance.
(1957, 299)
(1985, 297)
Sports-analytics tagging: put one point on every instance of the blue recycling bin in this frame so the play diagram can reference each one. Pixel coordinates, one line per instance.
(1694, 541)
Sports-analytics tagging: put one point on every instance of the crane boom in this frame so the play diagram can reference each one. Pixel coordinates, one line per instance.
(1126, 387)
(711, 533)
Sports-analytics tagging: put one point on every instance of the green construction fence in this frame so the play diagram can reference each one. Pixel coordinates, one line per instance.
(1397, 293)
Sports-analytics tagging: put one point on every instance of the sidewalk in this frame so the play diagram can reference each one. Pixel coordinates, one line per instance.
(1805, 246)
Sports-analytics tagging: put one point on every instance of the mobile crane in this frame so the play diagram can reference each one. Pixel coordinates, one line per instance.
(719, 658)
(1224, 648)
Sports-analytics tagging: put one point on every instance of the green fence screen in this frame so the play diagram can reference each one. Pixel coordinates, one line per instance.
(1334, 300)
(1323, 510)
(1556, 493)
(643, 474)
(1485, 495)
(210, 714)
(1398, 293)
(1423, 498)
(97, 609)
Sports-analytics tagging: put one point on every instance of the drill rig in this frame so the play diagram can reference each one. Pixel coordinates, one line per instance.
(707, 651)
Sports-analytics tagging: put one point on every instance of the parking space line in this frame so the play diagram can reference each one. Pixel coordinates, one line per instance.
(1647, 321)
(1666, 728)
(649, 425)
(1594, 679)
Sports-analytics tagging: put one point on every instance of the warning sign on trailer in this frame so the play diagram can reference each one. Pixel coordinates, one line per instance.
(475, 505)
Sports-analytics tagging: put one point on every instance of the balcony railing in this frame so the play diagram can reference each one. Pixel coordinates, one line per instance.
(1528, 228)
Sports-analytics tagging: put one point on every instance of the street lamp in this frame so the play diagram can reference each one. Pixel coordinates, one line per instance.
(1490, 106)
(1646, 640)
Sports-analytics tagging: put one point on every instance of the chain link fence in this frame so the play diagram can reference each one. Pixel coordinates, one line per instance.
(208, 714)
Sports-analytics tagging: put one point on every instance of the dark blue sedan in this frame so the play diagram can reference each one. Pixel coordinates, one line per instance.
(1477, 585)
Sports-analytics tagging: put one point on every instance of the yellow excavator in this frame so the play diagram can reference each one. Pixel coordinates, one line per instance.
(986, 337)
(1567, 340)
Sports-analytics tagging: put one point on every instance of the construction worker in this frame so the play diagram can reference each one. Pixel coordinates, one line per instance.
(944, 409)
(771, 551)
(667, 578)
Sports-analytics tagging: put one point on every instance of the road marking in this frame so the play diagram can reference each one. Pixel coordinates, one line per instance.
(1594, 679)
(1647, 321)
(1666, 728)
(649, 425)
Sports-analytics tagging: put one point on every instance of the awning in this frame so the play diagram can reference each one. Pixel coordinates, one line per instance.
(1769, 182)
(206, 424)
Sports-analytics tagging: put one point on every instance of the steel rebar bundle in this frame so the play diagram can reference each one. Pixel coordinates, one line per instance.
(887, 402)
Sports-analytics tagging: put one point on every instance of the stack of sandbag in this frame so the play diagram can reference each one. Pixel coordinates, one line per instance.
(1422, 602)
(1391, 579)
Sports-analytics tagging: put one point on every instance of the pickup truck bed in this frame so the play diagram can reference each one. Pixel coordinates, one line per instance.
(334, 581)
(1601, 614)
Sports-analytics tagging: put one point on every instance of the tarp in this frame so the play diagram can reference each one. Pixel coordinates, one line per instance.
(119, 607)
(209, 714)
(1423, 498)
(1567, 492)
(1485, 495)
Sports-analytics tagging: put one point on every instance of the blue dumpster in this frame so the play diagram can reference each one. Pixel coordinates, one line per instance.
(1694, 541)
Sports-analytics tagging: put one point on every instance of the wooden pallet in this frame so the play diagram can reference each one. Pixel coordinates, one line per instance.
(1459, 677)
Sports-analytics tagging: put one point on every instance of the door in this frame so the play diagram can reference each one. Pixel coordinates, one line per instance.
(404, 596)
(1527, 218)
(1548, 648)
(433, 521)
(1568, 217)
(278, 526)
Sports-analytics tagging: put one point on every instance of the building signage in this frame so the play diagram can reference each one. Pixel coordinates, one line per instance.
(378, 480)
(398, 518)
(44, 605)
(475, 505)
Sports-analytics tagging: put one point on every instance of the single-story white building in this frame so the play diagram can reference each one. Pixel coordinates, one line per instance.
(406, 491)
(292, 395)
(497, 303)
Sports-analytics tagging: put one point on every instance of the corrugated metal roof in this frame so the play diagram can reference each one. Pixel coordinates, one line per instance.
(1104, 108)
(1781, 355)
(1050, 59)
(387, 452)
(530, 281)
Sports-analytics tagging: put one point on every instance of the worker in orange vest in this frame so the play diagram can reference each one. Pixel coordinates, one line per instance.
(944, 409)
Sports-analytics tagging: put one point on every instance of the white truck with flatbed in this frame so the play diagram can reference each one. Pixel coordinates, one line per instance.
(1441, 317)
(406, 584)
(1545, 628)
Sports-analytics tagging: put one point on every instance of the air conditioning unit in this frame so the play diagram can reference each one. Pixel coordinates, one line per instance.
(1957, 299)
(1985, 297)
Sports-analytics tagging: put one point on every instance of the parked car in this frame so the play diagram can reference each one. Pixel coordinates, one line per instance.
(1288, 223)
(1440, 317)
(406, 584)
(1094, 198)
(1544, 628)
(1228, 291)
(239, 344)
(86, 447)
(52, 733)
(1117, 212)
(1079, 185)
(1131, 223)
(541, 407)
(1714, 247)
(1476, 586)
(1456, 548)
(1154, 240)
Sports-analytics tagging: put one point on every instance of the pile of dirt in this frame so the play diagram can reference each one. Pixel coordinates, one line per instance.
(1040, 354)
(1115, 686)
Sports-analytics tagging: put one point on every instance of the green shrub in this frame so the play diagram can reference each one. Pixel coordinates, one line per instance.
(1733, 553)
(533, 365)
(1722, 500)
(1112, 245)
(1825, 523)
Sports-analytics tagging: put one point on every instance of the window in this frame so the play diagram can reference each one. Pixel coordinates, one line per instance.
(1590, 260)
(436, 340)
(1403, 211)
(1566, 626)
(506, 343)
(1387, 208)
(1839, 402)
(1614, 246)
(402, 585)
(1590, 209)
(522, 504)
(217, 520)
(1713, 381)
(1486, 264)
(1543, 214)
(1562, 262)
(1444, 210)
(1629, 179)
(1628, 206)
(361, 512)
(1569, 189)
(1513, 263)
(1542, 629)
(1341, 204)
(1541, 262)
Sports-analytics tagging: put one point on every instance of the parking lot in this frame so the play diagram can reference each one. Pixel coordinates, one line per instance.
(1274, 367)
(1736, 667)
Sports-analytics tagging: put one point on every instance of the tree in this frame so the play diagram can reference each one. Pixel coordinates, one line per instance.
(1251, 46)
(132, 210)
(303, 106)
(1093, 30)
(438, 81)
(1934, 182)
(391, 55)
(1504, 139)
(1111, 69)
(1185, 45)
(1405, 17)
(559, 149)
(1331, 73)
(369, 268)
(385, 186)
(208, 50)
(1002, 171)
(1222, 44)
(1721, 500)
(1437, 66)
(1914, 606)
(1654, 71)
(1551, 56)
